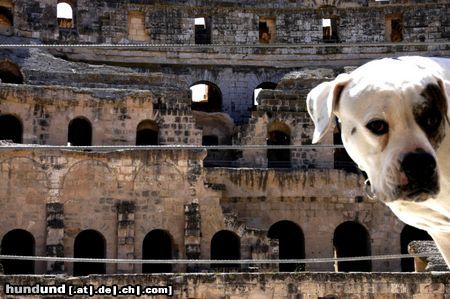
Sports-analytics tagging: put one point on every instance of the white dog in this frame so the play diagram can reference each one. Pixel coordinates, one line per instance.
(394, 116)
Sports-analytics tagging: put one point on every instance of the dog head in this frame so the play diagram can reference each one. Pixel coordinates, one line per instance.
(393, 116)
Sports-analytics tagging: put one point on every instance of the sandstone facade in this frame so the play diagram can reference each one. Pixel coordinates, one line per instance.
(178, 203)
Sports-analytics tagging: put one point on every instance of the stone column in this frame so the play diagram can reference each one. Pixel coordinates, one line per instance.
(125, 235)
(55, 236)
(192, 233)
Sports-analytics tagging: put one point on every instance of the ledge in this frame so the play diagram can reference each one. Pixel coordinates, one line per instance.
(263, 285)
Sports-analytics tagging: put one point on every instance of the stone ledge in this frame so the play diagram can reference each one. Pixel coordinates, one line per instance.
(263, 285)
(431, 263)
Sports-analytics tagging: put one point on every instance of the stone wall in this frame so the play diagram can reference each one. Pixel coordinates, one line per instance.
(125, 195)
(237, 71)
(286, 106)
(45, 113)
(91, 187)
(241, 63)
(173, 22)
(312, 200)
(262, 285)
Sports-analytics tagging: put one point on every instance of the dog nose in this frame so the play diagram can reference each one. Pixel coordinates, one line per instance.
(419, 167)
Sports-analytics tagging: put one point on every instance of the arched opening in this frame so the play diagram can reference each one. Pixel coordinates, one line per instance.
(210, 140)
(64, 14)
(408, 235)
(291, 244)
(206, 96)
(80, 132)
(341, 158)
(157, 245)
(278, 134)
(257, 90)
(215, 157)
(6, 21)
(18, 242)
(352, 239)
(89, 244)
(10, 128)
(147, 133)
(225, 245)
(10, 73)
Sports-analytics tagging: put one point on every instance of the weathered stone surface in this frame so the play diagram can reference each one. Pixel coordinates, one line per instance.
(124, 195)
(239, 66)
(434, 262)
(262, 285)
(95, 184)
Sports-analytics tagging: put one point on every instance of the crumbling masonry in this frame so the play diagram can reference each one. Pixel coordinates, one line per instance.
(254, 62)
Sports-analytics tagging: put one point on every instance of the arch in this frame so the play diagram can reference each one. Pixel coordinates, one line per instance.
(291, 242)
(408, 235)
(80, 132)
(6, 17)
(214, 158)
(10, 128)
(257, 90)
(18, 242)
(10, 72)
(210, 140)
(206, 96)
(160, 176)
(89, 244)
(352, 239)
(225, 245)
(278, 133)
(147, 133)
(98, 164)
(157, 245)
(64, 14)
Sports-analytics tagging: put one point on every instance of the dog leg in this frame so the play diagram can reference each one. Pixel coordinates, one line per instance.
(442, 240)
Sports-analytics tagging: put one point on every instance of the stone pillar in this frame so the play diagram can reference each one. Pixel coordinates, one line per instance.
(192, 233)
(125, 235)
(55, 236)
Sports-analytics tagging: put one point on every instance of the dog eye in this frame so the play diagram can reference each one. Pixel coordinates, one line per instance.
(432, 122)
(378, 127)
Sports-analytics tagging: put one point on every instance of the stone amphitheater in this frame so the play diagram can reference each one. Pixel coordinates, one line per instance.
(107, 109)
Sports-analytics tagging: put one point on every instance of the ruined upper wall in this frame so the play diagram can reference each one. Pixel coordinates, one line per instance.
(234, 22)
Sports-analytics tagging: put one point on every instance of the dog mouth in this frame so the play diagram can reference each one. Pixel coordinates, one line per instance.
(417, 193)
(421, 195)
(410, 192)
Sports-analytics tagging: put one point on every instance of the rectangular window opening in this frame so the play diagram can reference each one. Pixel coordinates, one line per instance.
(267, 30)
(394, 28)
(330, 30)
(202, 30)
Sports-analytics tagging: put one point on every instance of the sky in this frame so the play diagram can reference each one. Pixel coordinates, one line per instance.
(64, 11)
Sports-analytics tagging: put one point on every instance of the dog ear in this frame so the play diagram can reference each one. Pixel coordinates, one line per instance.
(444, 86)
(322, 102)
